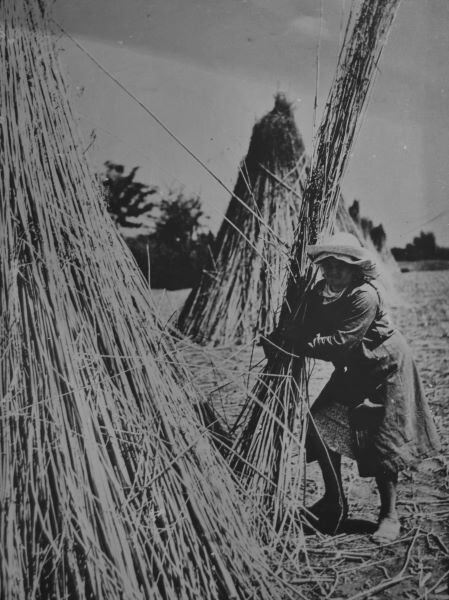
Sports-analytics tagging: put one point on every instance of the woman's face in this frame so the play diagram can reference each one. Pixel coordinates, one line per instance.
(337, 273)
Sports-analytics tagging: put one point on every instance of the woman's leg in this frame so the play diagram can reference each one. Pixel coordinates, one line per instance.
(389, 526)
(387, 484)
(330, 465)
(332, 508)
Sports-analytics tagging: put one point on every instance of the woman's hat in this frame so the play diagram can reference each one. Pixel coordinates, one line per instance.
(342, 246)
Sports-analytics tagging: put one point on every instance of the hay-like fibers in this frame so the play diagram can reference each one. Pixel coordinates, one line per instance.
(375, 237)
(388, 268)
(109, 486)
(386, 265)
(271, 449)
(244, 283)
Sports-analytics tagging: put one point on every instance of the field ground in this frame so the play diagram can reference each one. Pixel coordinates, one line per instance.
(352, 566)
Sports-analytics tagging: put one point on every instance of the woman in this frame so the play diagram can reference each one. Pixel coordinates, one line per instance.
(373, 408)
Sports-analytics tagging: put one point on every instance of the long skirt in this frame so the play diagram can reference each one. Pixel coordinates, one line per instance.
(399, 435)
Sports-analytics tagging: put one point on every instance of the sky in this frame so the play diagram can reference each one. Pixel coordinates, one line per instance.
(208, 69)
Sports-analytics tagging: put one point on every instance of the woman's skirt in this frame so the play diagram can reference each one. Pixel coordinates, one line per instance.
(334, 428)
(398, 435)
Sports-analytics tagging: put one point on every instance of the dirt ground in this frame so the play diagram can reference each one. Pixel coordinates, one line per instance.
(351, 565)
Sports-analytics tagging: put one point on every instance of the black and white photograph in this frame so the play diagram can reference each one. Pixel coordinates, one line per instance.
(224, 283)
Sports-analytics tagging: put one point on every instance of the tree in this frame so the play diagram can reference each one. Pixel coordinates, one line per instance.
(126, 199)
(370, 232)
(424, 247)
(179, 248)
(180, 219)
(378, 237)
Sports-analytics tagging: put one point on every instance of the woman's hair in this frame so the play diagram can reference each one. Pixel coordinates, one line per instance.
(365, 272)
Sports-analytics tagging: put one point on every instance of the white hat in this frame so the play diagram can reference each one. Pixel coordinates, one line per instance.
(342, 246)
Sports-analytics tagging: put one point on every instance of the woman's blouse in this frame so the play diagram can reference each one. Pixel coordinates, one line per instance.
(345, 330)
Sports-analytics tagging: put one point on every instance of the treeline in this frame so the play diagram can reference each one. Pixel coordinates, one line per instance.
(423, 247)
(174, 245)
(375, 233)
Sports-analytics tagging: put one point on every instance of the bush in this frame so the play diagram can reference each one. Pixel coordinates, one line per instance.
(179, 244)
(171, 266)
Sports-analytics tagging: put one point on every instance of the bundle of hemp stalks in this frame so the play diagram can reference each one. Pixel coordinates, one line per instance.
(269, 452)
(244, 283)
(109, 485)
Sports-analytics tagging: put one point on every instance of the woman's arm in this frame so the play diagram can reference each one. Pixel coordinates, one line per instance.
(350, 328)
(290, 336)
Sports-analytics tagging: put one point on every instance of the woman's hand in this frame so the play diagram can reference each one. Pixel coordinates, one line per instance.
(276, 342)
(288, 330)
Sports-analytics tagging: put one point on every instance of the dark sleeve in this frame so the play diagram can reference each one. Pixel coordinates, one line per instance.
(303, 327)
(350, 327)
